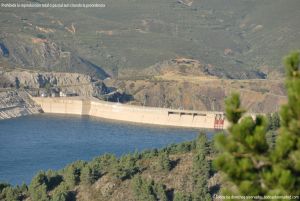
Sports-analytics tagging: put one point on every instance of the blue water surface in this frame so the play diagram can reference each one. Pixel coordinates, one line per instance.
(42, 142)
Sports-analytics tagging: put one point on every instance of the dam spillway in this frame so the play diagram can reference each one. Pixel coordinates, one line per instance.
(132, 113)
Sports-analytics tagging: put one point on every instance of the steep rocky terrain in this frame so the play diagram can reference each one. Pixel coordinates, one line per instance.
(15, 104)
(178, 83)
(51, 83)
(79, 84)
(17, 85)
(188, 84)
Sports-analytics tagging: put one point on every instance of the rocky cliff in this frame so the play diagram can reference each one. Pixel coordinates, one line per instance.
(15, 104)
(80, 84)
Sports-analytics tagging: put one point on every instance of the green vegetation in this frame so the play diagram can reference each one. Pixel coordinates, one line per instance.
(243, 150)
(164, 162)
(38, 187)
(272, 128)
(182, 197)
(72, 173)
(62, 193)
(200, 173)
(201, 170)
(126, 167)
(273, 121)
(251, 167)
(90, 173)
(284, 176)
(41, 36)
(7, 192)
(147, 190)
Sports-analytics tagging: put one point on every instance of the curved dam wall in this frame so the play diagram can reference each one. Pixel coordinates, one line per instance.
(130, 113)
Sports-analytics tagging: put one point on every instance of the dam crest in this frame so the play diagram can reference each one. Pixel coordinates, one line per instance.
(131, 113)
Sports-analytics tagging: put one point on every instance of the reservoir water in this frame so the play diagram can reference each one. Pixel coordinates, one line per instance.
(42, 142)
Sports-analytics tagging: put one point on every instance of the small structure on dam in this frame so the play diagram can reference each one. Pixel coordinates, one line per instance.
(219, 121)
(131, 113)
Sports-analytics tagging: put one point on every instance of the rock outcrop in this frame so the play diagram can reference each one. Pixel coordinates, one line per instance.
(80, 84)
(16, 103)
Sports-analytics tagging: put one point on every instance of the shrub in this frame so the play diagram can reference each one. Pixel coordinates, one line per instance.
(105, 162)
(164, 162)
(90, 173)
(126, 168)
(183, 147)
(10, 194)
(149, 153)
(145, 190)
(38, 187)
(62, 193)
(178, 196)
(201, 169)
(3, 185)
(53, 179)
(273, 121)
(71, 173)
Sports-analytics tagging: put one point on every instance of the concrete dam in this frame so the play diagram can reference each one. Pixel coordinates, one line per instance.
(131, 113)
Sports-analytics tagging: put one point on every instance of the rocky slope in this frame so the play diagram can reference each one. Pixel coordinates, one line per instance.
(37, 52)
(51, 83)
(15, 104)
(188, 84)
(80, 84)
(178, 83)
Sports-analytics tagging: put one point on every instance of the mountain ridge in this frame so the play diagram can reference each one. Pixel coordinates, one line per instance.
(231, 36)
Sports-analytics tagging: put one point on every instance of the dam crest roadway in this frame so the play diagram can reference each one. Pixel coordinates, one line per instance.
(131, 113)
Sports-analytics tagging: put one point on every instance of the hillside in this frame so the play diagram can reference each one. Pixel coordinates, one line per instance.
(177, 83)
(189, 84)
(238, 39)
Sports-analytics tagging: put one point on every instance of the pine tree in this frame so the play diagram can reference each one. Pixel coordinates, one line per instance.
(285, 176)
(249, 166)
(164, 162)
(38, 187)
(126, 168)
(273, 121)
(90, 174)
(201, 170)
(72, 173)
(143, 190)
(61, 193)
(244, 150)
